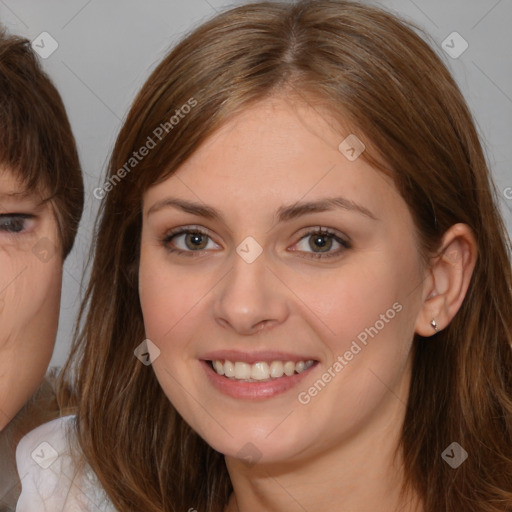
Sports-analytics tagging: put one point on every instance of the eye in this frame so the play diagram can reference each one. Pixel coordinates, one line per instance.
(322, 243)
(188, 240)
(14, 223)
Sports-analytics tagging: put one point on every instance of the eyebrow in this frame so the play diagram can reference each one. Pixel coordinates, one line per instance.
(15, 195)
(285, 213)
(22, 196)
(296, 210)
(186, 206)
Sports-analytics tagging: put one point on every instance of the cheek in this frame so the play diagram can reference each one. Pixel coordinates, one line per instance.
(29, 312)
(368, 325)
(364, 318)
(163, 299)
(343, 303)
(169, 295)
(30, 298)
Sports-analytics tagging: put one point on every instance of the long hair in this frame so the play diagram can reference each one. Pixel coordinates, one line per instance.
(378, 77)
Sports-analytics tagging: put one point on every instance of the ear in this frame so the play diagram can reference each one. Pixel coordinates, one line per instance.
(448, 279)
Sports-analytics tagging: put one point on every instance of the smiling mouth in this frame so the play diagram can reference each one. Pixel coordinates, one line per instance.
(262, 371)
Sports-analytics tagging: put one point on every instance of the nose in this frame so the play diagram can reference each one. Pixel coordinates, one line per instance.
(250, 298)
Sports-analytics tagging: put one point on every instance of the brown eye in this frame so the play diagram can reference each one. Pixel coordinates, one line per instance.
(188, 241)
(320, 242)
(195, 241)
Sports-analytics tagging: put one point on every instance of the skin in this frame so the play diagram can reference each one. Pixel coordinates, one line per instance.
(338, 448)
(30, 286)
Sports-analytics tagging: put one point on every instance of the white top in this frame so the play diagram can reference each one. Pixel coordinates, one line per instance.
(50, 479)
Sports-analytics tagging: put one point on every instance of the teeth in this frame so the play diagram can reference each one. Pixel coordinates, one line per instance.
(219, 367)
(261, 370)
(289, 368)
(242, 371)
(229, 368)
(276, 369)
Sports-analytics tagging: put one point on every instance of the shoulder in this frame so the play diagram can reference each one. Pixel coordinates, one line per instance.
(52, 475)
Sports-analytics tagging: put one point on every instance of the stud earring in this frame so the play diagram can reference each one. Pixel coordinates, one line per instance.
(434, 325)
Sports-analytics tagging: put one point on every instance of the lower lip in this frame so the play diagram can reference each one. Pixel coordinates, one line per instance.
(253, 390)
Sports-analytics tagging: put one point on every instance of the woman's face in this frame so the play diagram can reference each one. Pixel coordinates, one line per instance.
(291, 266)
(30, 283)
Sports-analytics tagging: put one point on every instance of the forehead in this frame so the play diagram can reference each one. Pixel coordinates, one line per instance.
(274, 151)
(10, 183)
(12, 188)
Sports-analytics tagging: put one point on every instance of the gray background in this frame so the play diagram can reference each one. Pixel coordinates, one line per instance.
(107, 48)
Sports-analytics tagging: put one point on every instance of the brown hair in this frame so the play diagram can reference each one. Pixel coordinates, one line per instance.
(38, 148)
(379, 77)
(36, 142)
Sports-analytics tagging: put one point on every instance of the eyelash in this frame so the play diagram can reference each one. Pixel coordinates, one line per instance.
(345, 244)
(10, 219)
(198, 231)
(182, 231)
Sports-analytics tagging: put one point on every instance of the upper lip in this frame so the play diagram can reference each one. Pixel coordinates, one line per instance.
(254, 357)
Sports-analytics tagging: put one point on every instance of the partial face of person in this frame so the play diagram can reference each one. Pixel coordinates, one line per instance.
(280, 284)
(30, 285)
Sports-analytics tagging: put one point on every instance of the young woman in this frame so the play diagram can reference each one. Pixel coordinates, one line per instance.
(41, 199)
(300, 233)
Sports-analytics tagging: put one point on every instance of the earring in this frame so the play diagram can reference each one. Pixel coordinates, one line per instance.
(434, 325)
